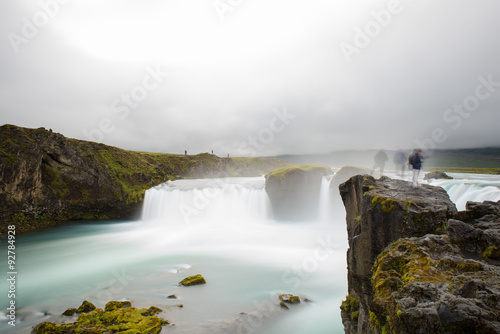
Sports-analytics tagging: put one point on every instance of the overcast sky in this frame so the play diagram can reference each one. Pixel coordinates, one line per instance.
(259, 77)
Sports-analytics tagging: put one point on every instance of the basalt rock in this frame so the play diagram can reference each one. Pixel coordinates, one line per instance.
(379, 212)
(413, 266)
(294, 191)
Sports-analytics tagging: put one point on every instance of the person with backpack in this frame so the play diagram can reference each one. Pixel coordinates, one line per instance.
(415, 160)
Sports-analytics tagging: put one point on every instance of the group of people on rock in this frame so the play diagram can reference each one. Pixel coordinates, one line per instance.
(414, 161)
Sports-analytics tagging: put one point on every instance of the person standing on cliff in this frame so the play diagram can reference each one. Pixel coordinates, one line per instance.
(380, 160)
(415, 160)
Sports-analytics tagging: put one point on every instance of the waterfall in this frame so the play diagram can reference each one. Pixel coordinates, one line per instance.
(325, 199)
(229, 200)
(461, 190)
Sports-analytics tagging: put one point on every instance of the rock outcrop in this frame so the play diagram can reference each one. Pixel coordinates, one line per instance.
(437, 175)
(294, 191)
(46, 177)
(412, 264)
(118, 317)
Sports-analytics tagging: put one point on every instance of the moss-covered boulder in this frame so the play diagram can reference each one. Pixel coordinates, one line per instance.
(70, 312)
(193, 280)
(294, 191)
(289, 298)
(113, 305)
(86, 307)
(116, 320)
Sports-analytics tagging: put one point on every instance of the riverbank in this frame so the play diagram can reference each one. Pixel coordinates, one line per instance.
(46, 178)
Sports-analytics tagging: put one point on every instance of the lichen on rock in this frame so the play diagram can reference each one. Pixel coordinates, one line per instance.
(415, 264)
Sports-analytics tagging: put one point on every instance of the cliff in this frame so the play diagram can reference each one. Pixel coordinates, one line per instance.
(415, 265)
(294, 191)
(46, 177)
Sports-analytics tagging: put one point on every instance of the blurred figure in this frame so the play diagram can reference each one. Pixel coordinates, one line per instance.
(415, 160)
(400, 161)
(380, 159)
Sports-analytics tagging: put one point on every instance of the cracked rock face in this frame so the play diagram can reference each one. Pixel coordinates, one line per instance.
(415, 265)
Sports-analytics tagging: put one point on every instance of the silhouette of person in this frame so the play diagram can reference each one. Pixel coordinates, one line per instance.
(380, 159)
(415, 160)
(400, 161)
(185, 152)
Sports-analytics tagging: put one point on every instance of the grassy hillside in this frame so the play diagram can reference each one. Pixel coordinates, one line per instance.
(45, 177)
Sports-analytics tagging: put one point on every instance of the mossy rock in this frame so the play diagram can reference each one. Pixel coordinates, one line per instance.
(193, 280)
(153, 310)
(113, 305)
(86, 307)
(128, 320)
(69, 312)
(289, 298)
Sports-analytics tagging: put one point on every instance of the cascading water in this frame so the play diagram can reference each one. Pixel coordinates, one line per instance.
(470, 187)
(207, 200)
(221, 228)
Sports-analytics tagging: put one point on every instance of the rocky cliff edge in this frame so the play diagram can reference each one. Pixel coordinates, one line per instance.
(415, 264)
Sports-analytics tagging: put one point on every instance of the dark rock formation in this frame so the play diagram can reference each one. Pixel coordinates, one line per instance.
(45, 177)
(404, 274)
(437, 175)
(294, 191)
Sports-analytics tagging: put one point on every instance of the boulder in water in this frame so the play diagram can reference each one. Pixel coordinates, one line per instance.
(193, 280)
(294, 191)
(437, 175)
(86, 307)
(113, 305)
(69, 312)
(117, 320)
(289, 298)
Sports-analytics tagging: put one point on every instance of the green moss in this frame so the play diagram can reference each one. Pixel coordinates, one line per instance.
(387, 205)
(86, 307)
(375, 200)
(350, 304)
(116, 320)
(357, 219)
(193, 280)
(113, 305)
(491, 252)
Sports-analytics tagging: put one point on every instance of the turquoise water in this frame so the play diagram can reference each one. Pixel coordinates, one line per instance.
(222, 229)
(246, 259)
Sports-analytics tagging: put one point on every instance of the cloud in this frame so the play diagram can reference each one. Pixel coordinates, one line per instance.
(227, 77)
